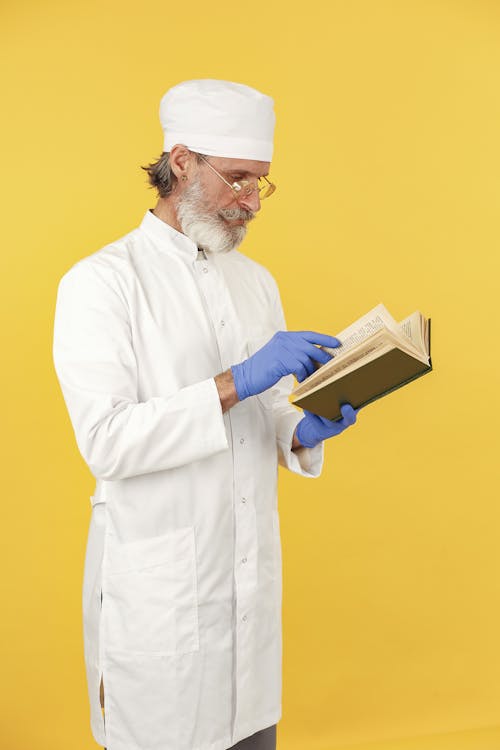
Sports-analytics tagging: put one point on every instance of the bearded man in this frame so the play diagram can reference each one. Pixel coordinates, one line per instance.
(175, 364)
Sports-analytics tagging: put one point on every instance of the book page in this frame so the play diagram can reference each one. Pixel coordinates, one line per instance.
(363, 328)
(412, 328)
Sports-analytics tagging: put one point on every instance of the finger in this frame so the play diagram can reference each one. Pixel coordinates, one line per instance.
(328, 422)
(300, 372)
(306, 362)
(340, 424)
(295, 354)
(319, 338)
(313, 352)
(319, 354)
(317, 418)
(348, 413)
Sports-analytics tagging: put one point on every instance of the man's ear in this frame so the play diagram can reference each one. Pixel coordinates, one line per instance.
(180, 161)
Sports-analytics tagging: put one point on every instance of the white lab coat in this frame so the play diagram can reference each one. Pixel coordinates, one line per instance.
(184, 542)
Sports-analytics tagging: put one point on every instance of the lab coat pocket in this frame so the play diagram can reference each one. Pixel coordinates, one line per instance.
(150, 602)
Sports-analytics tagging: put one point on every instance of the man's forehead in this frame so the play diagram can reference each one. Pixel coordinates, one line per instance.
(245, 166)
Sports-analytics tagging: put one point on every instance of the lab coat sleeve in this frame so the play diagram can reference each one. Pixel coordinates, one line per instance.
(307, 462)
(94, 359)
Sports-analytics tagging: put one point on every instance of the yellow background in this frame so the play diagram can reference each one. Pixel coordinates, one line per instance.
(387, 161)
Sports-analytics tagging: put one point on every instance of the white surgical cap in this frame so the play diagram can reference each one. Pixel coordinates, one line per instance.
(218, 118)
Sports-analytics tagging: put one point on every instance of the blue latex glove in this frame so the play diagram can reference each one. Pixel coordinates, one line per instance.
(286, 353)
(312, 429)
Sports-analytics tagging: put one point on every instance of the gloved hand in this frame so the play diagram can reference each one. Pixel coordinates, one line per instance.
(286, 353)
(312, 429)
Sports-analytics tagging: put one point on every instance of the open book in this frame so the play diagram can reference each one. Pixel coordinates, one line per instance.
(376, 356)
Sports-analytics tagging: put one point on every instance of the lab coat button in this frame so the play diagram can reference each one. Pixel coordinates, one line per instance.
(244, 560)
(244, 617)
(222, 323)
(205, 270)
(243, 499)
(242, 440)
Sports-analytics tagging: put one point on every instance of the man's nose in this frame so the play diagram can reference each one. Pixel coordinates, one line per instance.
(251, 202)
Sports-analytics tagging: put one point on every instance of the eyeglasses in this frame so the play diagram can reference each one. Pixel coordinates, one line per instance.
(242, 188)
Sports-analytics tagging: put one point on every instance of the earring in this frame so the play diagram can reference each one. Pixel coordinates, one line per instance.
(183, 177)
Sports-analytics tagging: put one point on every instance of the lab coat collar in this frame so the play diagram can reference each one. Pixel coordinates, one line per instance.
(166, 237)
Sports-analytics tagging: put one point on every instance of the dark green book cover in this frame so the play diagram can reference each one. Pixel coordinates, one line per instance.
(369, 382)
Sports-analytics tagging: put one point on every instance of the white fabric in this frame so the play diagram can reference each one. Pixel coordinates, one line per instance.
(184, 537)
(218, 118)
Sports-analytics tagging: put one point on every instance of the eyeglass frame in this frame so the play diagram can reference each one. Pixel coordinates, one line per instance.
(242, 183)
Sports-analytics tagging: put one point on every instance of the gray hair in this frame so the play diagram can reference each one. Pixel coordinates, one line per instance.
(161, 175)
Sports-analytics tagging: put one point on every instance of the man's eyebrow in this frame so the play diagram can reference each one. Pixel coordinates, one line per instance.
(244, 171)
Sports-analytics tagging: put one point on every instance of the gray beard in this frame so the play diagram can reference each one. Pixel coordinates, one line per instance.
(207, 229)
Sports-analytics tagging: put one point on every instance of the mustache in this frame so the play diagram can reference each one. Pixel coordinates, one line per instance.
(237, 213)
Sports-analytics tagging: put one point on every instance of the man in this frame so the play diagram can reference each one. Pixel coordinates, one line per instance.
(175, 365)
